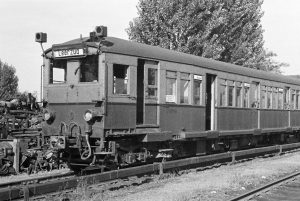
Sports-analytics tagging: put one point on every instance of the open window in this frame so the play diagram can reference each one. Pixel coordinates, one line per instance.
(222, 92)
(230, 93)
(58, 72)
(120, 79)
(275, 98)
(246, 95)
(280, 98)
(89, 69)
(238, 94)
(185, 88)
(286, 98)
(197, 89)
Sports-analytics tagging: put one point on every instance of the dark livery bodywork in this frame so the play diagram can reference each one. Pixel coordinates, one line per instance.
(147, 100)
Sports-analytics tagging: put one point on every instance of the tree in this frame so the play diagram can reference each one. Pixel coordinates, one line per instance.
(8, 81)
(228, 31)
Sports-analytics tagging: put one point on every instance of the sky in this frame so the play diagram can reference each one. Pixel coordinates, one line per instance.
(65, 20)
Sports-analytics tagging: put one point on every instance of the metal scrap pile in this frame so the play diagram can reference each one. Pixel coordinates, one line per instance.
(6, 159)
(39, 160)
(18, 114)
(20, 118)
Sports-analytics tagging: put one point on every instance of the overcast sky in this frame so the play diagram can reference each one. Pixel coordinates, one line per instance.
(64, 20)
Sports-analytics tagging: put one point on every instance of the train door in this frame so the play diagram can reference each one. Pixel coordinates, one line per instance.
(140, 104)
(147, 92)
(210, 102)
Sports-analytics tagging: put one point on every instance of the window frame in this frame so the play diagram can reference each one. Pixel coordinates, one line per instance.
(51, 71)
(197, 78)
(127, 79)
(174, 78)
(186, 78)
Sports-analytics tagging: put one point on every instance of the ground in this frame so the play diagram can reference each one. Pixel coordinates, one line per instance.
(220, 183)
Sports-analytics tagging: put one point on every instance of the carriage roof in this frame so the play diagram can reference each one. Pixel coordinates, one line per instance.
(130, 48)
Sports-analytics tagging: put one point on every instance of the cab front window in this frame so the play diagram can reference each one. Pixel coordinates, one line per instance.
(58, 72)
(89, 69)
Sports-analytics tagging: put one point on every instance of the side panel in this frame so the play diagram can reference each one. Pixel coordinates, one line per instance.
(295, 118)
(236, 119)
(177, 117)
(120, 116)
(274, 119)
(150, 114)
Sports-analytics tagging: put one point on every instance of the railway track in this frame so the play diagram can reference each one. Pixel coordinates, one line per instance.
(38, 179)
(56, 185)
(286, 188)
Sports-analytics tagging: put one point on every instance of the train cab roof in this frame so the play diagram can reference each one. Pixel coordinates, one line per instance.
(130, 48)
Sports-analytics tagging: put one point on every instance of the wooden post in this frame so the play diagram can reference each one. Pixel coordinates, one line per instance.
(280, 150)
(233, 157)
(161, 168)
(16, 150)
(26, 193)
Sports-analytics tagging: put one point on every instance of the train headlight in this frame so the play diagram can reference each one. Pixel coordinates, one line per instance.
(92, 115)
(88, 116)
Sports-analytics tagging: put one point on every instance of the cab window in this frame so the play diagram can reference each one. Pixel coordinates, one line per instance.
(89, 69)
(58, 71)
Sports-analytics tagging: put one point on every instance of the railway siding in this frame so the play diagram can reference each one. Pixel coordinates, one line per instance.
(223, 183)
(63, 184)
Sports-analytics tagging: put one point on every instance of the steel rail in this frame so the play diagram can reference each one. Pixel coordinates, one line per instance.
(29, 190)
(35, 180)
(269, 185)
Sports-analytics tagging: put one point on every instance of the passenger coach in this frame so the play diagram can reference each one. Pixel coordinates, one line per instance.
(131, 101)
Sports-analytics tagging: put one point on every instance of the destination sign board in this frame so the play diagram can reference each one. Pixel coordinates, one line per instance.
(68, 53)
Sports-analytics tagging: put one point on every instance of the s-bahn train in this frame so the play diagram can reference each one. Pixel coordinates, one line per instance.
(114, 103)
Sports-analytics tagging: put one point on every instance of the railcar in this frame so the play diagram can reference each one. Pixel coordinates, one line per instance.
(114, 103)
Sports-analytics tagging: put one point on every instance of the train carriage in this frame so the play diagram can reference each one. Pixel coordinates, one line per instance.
(124, 102)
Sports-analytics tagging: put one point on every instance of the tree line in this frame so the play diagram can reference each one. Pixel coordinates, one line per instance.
(225, 30)
(8, 81)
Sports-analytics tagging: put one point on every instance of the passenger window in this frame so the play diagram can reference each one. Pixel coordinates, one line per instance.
(171, 78)
(255, 103)
(120, 76)
(230, 93)
(58, 72)
(297, 100)
(184, 88)
(197, 89)
(89, 69)
(286, 98)
(222, 92)
(280, 98)
(263, 96)
(293, 92)
(152, 82)
(246, 95)
(238, 94)
(269, 93)
(274, 98)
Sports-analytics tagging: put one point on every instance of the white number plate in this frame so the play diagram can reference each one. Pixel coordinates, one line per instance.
(68, 53)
